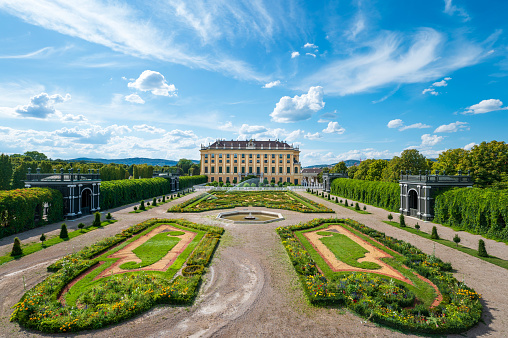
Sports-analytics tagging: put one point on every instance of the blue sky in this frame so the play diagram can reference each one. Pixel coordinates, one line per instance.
(341, 79)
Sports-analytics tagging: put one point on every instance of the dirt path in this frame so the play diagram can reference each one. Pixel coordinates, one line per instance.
(251, 288)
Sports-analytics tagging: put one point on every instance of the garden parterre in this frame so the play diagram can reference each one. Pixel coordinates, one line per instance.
(287, 200)
(91, 304)
(384, 301)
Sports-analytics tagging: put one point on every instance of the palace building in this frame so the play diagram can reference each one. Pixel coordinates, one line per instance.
(230, 161)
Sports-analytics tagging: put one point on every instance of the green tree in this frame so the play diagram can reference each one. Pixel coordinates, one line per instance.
(488, 163)
(36, 156)
(411, 160)
(339, 168)
(185, 165)
(456, 239)
(450, 161)
(64, 234)
(97, 220)
(42, 239)
(16, 248)
(434, 234)
(5, 172)
(81, 226)
(375, 171)
(363, 169)
(320, 174)
(19, 174)
(482, 251)
(402, 221)
(194, 170)
(351, 171)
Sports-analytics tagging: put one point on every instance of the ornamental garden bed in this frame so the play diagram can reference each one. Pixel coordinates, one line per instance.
(120, 277)
(387, 281)
(287, 200)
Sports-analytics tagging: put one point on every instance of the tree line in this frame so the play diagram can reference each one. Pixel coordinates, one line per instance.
(13, 168)
(486, 162)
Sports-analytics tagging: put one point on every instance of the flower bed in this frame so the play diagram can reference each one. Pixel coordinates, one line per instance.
(91, 304)
(377, 298)
(287, 200)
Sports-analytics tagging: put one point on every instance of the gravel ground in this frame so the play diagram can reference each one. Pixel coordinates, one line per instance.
(251, 289)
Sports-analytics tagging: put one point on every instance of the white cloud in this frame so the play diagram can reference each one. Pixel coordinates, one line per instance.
(298, 108)
(142, 33)
(451, 9)
(323, 121)
(334, 127)
(395, 123)
(311, 54)
(310, 45)
(485, 106)
(272, 84)
(295, 54)
(257, 132)
(398, 123)
(431, 140)
(314, 136)
(73, 118)
(395, 58)
(153, 82)
(452, 127)
(149, 129)
(41, 106)
(432, 90)
(134, 98)
(228, 126)
(415, 126)
(469, 146)
(310, 157)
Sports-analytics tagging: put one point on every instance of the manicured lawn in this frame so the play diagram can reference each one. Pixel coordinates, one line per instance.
(152, 250)
(491, 259)
(37, 246)
(346, 250)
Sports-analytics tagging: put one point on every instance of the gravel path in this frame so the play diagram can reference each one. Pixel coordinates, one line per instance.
(251, 288)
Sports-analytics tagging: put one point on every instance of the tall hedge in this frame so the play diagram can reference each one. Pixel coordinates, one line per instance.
(121, 192)
(189, 181)
(479, 211)
(18, 208)
(380, 194)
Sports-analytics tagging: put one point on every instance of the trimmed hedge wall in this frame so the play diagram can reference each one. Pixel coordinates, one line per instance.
(121, 192)
(479, 211)
(18, 208)
(189, 181)
(380, 194)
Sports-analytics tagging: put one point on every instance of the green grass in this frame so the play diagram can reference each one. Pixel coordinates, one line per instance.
(32, 247)
(346, 250)
(303, 201)
(491, 259)
(423, 291)
(88, 281)
(152, 250)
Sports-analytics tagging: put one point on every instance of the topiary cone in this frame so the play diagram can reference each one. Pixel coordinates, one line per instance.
(16, 248)
(64, 234)
(482, 251)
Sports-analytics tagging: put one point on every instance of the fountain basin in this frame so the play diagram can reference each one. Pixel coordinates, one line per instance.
(250, 217)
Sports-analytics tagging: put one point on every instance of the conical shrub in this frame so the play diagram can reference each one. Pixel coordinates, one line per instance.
(482, 251)
(64, 234)
(434, 234)
(16, 248)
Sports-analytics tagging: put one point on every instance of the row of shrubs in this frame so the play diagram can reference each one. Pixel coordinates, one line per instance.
(479, 211)
(22, 209)
(380, 194)
(122, 297)
(460, 309)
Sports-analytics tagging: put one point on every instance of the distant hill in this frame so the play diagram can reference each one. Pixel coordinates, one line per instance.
(129, 161)
(349, 163)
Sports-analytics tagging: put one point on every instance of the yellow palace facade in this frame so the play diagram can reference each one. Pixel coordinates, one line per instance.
(230, 161)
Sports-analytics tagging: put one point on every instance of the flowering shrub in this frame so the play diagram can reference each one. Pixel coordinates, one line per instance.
(380, 299)
(114, 298)
(269, 199)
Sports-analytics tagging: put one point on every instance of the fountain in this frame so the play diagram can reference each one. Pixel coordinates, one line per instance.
(250, 216)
